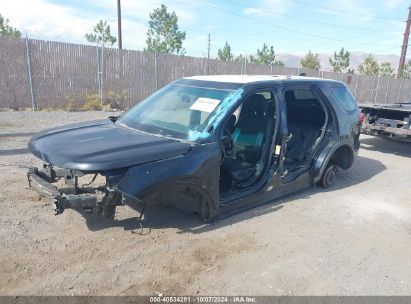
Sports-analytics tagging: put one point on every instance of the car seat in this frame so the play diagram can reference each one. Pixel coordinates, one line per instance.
(248, 138)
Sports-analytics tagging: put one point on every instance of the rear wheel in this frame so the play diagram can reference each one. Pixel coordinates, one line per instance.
(329, 176)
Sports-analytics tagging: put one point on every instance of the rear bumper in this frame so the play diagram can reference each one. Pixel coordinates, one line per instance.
(60, 201)
(390, 132)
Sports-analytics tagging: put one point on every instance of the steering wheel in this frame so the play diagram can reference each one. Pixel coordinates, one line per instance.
(227, 141)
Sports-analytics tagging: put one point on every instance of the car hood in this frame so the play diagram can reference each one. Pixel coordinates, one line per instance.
(102, 145)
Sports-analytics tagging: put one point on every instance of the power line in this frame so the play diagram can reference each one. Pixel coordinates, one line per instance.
(265, 36)
(302, 19)
(79, 38)
(376, 41)
(386, 49)
(300, 39)
(344, 11)
(377, 30)
(278, 26)
(277, 46)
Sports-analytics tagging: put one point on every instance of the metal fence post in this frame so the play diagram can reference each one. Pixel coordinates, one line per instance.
(356, 86)
(372, 90)
(155, 71)
(205, 66)
(208, 66)
(386, 90)
(33, 101)
(376, 89)
(102, 74)
(98, 71)
(142, 54)
(399, 91)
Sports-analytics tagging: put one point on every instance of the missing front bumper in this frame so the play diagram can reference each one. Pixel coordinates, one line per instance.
(59, 200)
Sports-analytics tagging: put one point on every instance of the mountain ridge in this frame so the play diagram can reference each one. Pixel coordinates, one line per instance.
(356, 58)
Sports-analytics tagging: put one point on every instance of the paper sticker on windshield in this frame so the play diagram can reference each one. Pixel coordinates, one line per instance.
(205, 104)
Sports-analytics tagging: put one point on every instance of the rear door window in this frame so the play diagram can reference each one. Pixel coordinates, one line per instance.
(344, 97)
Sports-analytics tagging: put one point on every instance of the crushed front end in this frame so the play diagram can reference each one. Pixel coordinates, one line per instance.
(90, 192)
(86, 165)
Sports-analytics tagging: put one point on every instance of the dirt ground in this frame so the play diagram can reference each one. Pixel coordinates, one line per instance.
(354, 239)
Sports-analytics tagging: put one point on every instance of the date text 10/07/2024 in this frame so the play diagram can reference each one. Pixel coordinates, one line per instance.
(202, 299)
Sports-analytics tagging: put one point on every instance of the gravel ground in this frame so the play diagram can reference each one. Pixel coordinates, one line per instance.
(353, 239)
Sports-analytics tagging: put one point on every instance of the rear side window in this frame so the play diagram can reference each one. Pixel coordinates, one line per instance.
(303, 94)
(344, 97)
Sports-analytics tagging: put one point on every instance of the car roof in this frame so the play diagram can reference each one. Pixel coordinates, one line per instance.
(244, 79)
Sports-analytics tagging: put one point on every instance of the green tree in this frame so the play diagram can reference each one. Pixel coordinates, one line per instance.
(242, 58)
(310, 61)
(341, 61)
(102, 34)
(163, 35)
(406, 71)
(266, 56)
(369, 67)
(6, 30)
(225, 53)
(386, 70)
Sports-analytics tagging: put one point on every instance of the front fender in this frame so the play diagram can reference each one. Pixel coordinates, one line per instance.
(196, 171)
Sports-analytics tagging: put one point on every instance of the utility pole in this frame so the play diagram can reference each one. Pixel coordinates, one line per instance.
(120, 43)
(208, 55)
(404, 44)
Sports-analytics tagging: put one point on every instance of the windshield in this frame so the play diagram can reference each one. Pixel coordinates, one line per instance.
(178, 111)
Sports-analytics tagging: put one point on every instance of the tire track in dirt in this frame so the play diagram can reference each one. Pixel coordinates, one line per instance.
(184, 269)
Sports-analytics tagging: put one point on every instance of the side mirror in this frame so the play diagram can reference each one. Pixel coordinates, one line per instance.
(113, 118)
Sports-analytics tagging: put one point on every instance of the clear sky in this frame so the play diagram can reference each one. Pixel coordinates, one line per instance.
(291, 26)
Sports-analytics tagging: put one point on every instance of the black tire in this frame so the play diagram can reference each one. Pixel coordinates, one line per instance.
(103, 213)
(109, 212)
(329, 175)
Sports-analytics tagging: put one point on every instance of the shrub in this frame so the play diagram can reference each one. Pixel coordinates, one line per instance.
(116, 100)
(92, 103)
(69, 107)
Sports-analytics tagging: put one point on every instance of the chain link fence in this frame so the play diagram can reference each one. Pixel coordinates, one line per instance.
(39, 74)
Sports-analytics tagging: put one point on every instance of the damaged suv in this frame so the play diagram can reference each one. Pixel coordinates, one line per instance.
(211, 145)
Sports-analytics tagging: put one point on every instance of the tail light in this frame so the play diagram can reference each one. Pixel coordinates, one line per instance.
(361, 117)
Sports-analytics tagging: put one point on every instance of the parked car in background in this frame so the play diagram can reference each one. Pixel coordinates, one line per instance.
(211, 145)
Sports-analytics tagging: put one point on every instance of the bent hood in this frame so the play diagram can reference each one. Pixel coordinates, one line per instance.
(102, 145)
